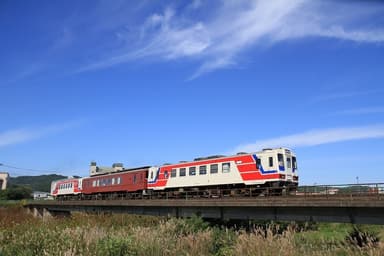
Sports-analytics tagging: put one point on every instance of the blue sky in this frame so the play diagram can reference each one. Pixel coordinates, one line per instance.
(147, 83)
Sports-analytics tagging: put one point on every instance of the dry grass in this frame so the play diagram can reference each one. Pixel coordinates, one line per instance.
(20, 234)
(259, 242)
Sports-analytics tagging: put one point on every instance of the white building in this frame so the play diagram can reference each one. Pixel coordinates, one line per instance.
(4, 177)
(38, 195)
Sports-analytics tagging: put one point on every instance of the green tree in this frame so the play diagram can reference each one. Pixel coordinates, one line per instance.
(19, 192)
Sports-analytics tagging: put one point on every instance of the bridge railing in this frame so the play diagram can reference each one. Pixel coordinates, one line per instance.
(362, 189)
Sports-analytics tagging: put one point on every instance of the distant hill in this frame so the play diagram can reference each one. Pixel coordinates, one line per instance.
(37, 183)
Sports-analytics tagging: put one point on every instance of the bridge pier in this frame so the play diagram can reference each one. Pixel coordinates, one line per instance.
(45, 213)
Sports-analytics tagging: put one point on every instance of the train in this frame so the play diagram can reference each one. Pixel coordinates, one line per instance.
(270, 171)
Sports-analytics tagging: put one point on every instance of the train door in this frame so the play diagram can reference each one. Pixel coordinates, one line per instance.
(286, 164)
(153, 173)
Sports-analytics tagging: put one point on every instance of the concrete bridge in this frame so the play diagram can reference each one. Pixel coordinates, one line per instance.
(359, 209)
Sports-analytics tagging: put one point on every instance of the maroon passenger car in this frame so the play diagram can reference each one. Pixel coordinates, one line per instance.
(129, 180)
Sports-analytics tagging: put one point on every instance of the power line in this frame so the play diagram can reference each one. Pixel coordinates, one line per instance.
(25, 169)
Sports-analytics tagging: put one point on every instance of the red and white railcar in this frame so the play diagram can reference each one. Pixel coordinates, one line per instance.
(66, 187)
(270, 167)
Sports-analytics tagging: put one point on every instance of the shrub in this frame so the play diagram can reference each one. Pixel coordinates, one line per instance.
(361, 238)
(18, 193)
(116, 246)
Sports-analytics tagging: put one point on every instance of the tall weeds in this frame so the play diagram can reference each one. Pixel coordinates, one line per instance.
(82, 234)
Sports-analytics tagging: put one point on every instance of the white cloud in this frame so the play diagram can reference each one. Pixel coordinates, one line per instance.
(316, 137)
(216, 41)
(16, 136)
(22, 135)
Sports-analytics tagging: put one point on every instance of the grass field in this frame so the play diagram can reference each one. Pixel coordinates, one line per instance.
(21, 234)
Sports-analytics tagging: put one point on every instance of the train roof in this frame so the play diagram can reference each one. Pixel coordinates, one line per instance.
(200, 159)
(67, 179)
(120, 171)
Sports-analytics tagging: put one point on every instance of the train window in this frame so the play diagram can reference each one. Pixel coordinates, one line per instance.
(118, 180)
(182, 172)
(173, 173)
(226, 167)
(214, 168)
(113, 181)
(270, 161)
(258, 163)
(166, 174)
(94, 183)
(294, 162)
(192, 171)
(288, 162)
(134, 179)
(203, 170)
(280, 160)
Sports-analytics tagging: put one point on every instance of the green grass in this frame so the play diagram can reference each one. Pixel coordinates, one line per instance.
(120, 234)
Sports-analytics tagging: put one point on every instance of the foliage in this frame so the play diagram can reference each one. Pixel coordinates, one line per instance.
(361, 238)
(120, 234)
(18, 192)
(115, 246)
(3, 195)
(36, 183)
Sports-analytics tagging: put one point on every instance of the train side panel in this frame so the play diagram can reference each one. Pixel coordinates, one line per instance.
(130, 181)
(267, 166)
(71, 186)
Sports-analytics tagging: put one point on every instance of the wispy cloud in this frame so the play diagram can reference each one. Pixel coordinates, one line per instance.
(232, 27)
(345, 94)
(316, 137)
(22, 135)
(361, 111)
